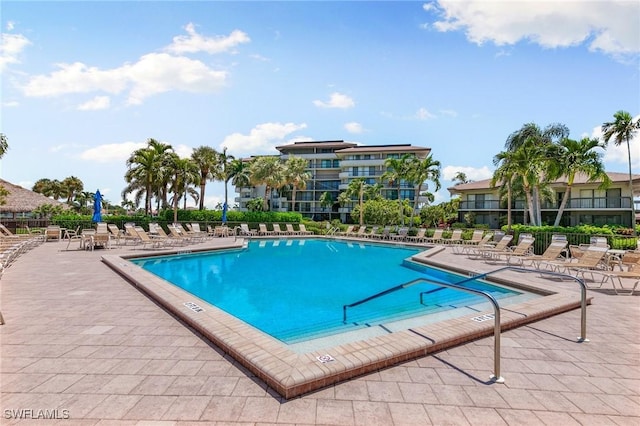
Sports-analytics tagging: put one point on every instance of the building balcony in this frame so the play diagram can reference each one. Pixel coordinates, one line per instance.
(603, 203)
(361, 163)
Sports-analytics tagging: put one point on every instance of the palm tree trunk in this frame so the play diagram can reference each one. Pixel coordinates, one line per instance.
(509, 219)
(563, 204)
(530, 206)
(415, 204)
(293, 199)
(633, 205)
(203, 184)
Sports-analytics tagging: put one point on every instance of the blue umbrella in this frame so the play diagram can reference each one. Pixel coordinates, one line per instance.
(224, 213)
(97, 207)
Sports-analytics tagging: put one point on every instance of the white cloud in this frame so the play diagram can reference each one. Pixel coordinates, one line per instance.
(111, 152)
(195, 42)
(337, 100)
(423, 114)
(10, 104)
(607, 26)
(262, 139)
(473, 173)
(10, 48)
(353, 127)
(183, 151)
(154, 73)
(97, 103)
(10, 25)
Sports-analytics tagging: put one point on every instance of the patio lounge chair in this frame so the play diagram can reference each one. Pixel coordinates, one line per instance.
(455, 238)
(290, 229)
(633, 273)
(552, 253)
(262, 230)
(148, 240)
(476, 237)
(419, 237)
(517, 253)
(467, 248)
(348, 231)
(303, 229)
(592, 260)
(243, 229)
(401, 235)
(278, 230)
(486, 250)
(372, 232)
(359, 233)
(436, 238)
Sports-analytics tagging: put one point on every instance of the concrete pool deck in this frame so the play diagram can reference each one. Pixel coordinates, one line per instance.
(79, 337)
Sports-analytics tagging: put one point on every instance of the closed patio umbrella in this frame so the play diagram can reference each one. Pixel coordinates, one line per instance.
(224, 213)
(97, 207)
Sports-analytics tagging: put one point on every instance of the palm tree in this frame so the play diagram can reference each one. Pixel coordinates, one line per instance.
(397, 171)
(144, 171)
(184, 172)
(460, 178)
(505, 174)
(357, 188)
(224, 171)
(532, 144)
(571, 157)
(267, 171)
(240, 173)
(206, 159)
(42, 186)
(623, 129)
(4, 144)
(421, 170)
(72, 186)
(296, 175)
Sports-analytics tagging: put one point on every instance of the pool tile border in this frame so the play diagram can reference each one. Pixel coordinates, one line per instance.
(292, 374)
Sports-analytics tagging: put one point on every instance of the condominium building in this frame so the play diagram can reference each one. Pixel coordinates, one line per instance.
(587, 204)
(332, 165)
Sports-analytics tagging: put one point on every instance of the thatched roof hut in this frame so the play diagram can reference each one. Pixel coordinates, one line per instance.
(22, 201)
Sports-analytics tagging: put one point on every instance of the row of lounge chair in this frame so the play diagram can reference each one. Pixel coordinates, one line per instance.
(243, 230)
(13, 245)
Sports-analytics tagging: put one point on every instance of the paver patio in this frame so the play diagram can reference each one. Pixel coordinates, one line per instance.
(81, 342)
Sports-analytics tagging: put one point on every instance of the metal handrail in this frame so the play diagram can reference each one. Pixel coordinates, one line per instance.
(496, 307)
(580, 281)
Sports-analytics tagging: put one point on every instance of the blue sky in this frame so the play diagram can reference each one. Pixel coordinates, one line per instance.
(86, 83)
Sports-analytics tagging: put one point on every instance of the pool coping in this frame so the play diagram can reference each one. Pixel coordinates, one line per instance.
(292, 374)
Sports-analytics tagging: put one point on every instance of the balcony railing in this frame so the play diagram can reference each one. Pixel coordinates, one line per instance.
(572, 204)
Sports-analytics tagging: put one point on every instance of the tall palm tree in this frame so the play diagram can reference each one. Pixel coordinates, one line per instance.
(206, 158)
(72, 186)
(533, 142)
(185, 172)
(571, 157)
(357, 188)
(240, 173)
(267, 171)
(505, 174)
(145, 170)
(224, 172)
(296, 175)
(42, 186)
(460, 178)
(623, 129)
(419, 171)
(397, 171)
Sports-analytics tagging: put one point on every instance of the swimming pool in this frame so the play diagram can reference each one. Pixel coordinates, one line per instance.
(295, 290)
(299, 368)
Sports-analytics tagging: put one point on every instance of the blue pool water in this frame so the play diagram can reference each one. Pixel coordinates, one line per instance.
(295, 289)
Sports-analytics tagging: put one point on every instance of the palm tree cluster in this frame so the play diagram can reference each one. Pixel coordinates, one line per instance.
(407, 170)
(534, 158)
(156, 171)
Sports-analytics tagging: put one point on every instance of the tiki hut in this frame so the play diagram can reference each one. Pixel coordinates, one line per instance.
(20, 203)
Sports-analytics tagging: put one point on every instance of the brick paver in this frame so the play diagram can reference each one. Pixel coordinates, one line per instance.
(81, 342)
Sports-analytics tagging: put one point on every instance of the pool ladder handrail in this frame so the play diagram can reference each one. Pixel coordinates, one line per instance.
(496, 307)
